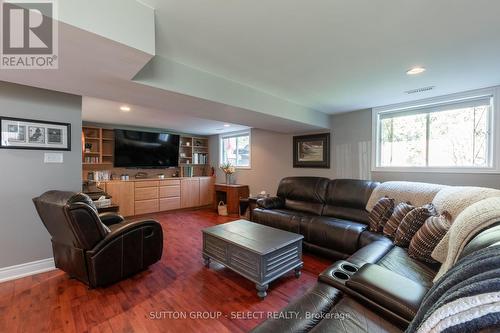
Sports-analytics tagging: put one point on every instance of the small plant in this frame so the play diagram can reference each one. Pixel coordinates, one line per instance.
(227, 168)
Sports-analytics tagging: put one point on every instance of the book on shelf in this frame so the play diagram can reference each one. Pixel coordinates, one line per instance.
(91, 160)
(188, 171)
(200, 158)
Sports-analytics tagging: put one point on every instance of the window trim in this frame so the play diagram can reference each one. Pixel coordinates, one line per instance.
(494, 143)
(232, 135)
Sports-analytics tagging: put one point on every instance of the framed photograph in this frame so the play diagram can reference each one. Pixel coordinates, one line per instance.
(311, 151)
(20, 133)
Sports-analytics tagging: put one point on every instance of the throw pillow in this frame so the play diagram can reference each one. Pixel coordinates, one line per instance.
(428, 237)
(411, 223)
(399, 213)
(380, 213)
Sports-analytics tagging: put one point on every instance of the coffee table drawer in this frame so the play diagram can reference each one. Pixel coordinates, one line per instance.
(246, 262)
(215, 248)
(282, 260)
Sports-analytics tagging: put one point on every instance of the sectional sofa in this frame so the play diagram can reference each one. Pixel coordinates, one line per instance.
(377, 283)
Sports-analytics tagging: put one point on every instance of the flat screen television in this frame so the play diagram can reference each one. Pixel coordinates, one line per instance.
(134, 149)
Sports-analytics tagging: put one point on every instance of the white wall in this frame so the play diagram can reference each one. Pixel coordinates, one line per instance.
(23, 175)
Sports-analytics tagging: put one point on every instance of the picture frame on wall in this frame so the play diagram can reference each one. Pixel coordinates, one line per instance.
(17, 133)
(311, 151)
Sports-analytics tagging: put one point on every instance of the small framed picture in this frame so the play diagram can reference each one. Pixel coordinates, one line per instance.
(17, 133)
(311, 151)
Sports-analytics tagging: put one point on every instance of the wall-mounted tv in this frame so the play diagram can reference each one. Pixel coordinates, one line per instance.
(134, 149)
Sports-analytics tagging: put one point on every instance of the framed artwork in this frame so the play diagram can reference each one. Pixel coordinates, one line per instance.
(34, 134)
(311, 151)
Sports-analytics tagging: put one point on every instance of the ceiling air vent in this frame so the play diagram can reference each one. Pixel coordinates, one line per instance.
(419, 90)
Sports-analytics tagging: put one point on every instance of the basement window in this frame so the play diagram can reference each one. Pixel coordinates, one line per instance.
(235, 148)
(453, 134)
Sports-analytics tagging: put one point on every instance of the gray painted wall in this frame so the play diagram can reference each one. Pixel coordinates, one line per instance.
(355, 127)
(350, 158)
(23, 238)
(271, 161)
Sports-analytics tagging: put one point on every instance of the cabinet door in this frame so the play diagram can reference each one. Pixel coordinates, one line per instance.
(122, 194)
(206, 191)
(190, 192)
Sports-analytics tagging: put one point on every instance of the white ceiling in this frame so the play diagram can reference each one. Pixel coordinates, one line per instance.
(108, 112)
(271, 64)
(336, 55)
(97, 67)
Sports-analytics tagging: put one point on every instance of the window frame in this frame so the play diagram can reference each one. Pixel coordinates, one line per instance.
(233, 135)
(494, 128)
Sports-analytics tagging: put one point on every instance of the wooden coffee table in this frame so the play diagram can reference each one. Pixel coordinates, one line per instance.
(257, 252)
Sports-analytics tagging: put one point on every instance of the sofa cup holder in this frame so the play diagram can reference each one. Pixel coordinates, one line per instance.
(343, 270)
(349, 268)
(341, 275)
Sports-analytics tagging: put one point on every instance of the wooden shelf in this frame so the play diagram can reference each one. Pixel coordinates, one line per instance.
(197, 150)
(103, 163)
(102, 140)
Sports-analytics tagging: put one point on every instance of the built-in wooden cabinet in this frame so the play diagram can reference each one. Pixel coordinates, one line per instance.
(151, 196)
(190, 192)
(146, 197)
(170, 194)
(123, 195)
(206, 191)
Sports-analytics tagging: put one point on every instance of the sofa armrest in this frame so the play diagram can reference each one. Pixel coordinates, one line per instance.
(130, 247)
(308, 311)
(124, 228)
(271, 203)
(111, 218)
(392, 291)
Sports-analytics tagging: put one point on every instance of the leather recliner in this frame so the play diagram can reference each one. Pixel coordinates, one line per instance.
(330, 214)
(97, 249)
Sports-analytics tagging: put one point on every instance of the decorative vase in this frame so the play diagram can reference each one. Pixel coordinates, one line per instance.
(228, 178)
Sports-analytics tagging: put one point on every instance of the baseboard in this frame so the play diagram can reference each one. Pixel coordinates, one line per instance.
(27, 269)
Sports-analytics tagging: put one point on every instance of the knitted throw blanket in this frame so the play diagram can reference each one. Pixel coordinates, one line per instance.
(417, 194)
(469, 223)
(465, 288)
(455, 199)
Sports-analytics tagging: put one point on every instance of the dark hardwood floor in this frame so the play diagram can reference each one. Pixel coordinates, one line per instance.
(51, 302)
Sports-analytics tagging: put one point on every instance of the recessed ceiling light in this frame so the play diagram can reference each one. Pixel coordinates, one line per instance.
(125, 108)
(415, 70)
(227, 125)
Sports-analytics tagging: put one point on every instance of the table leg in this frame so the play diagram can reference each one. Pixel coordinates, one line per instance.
(298, 271)
(206, 260)
(261, 290)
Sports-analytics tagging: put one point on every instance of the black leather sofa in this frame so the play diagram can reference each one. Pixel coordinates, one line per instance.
(97, 249)
(377, 284)
(374, 299)
(330, 214)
